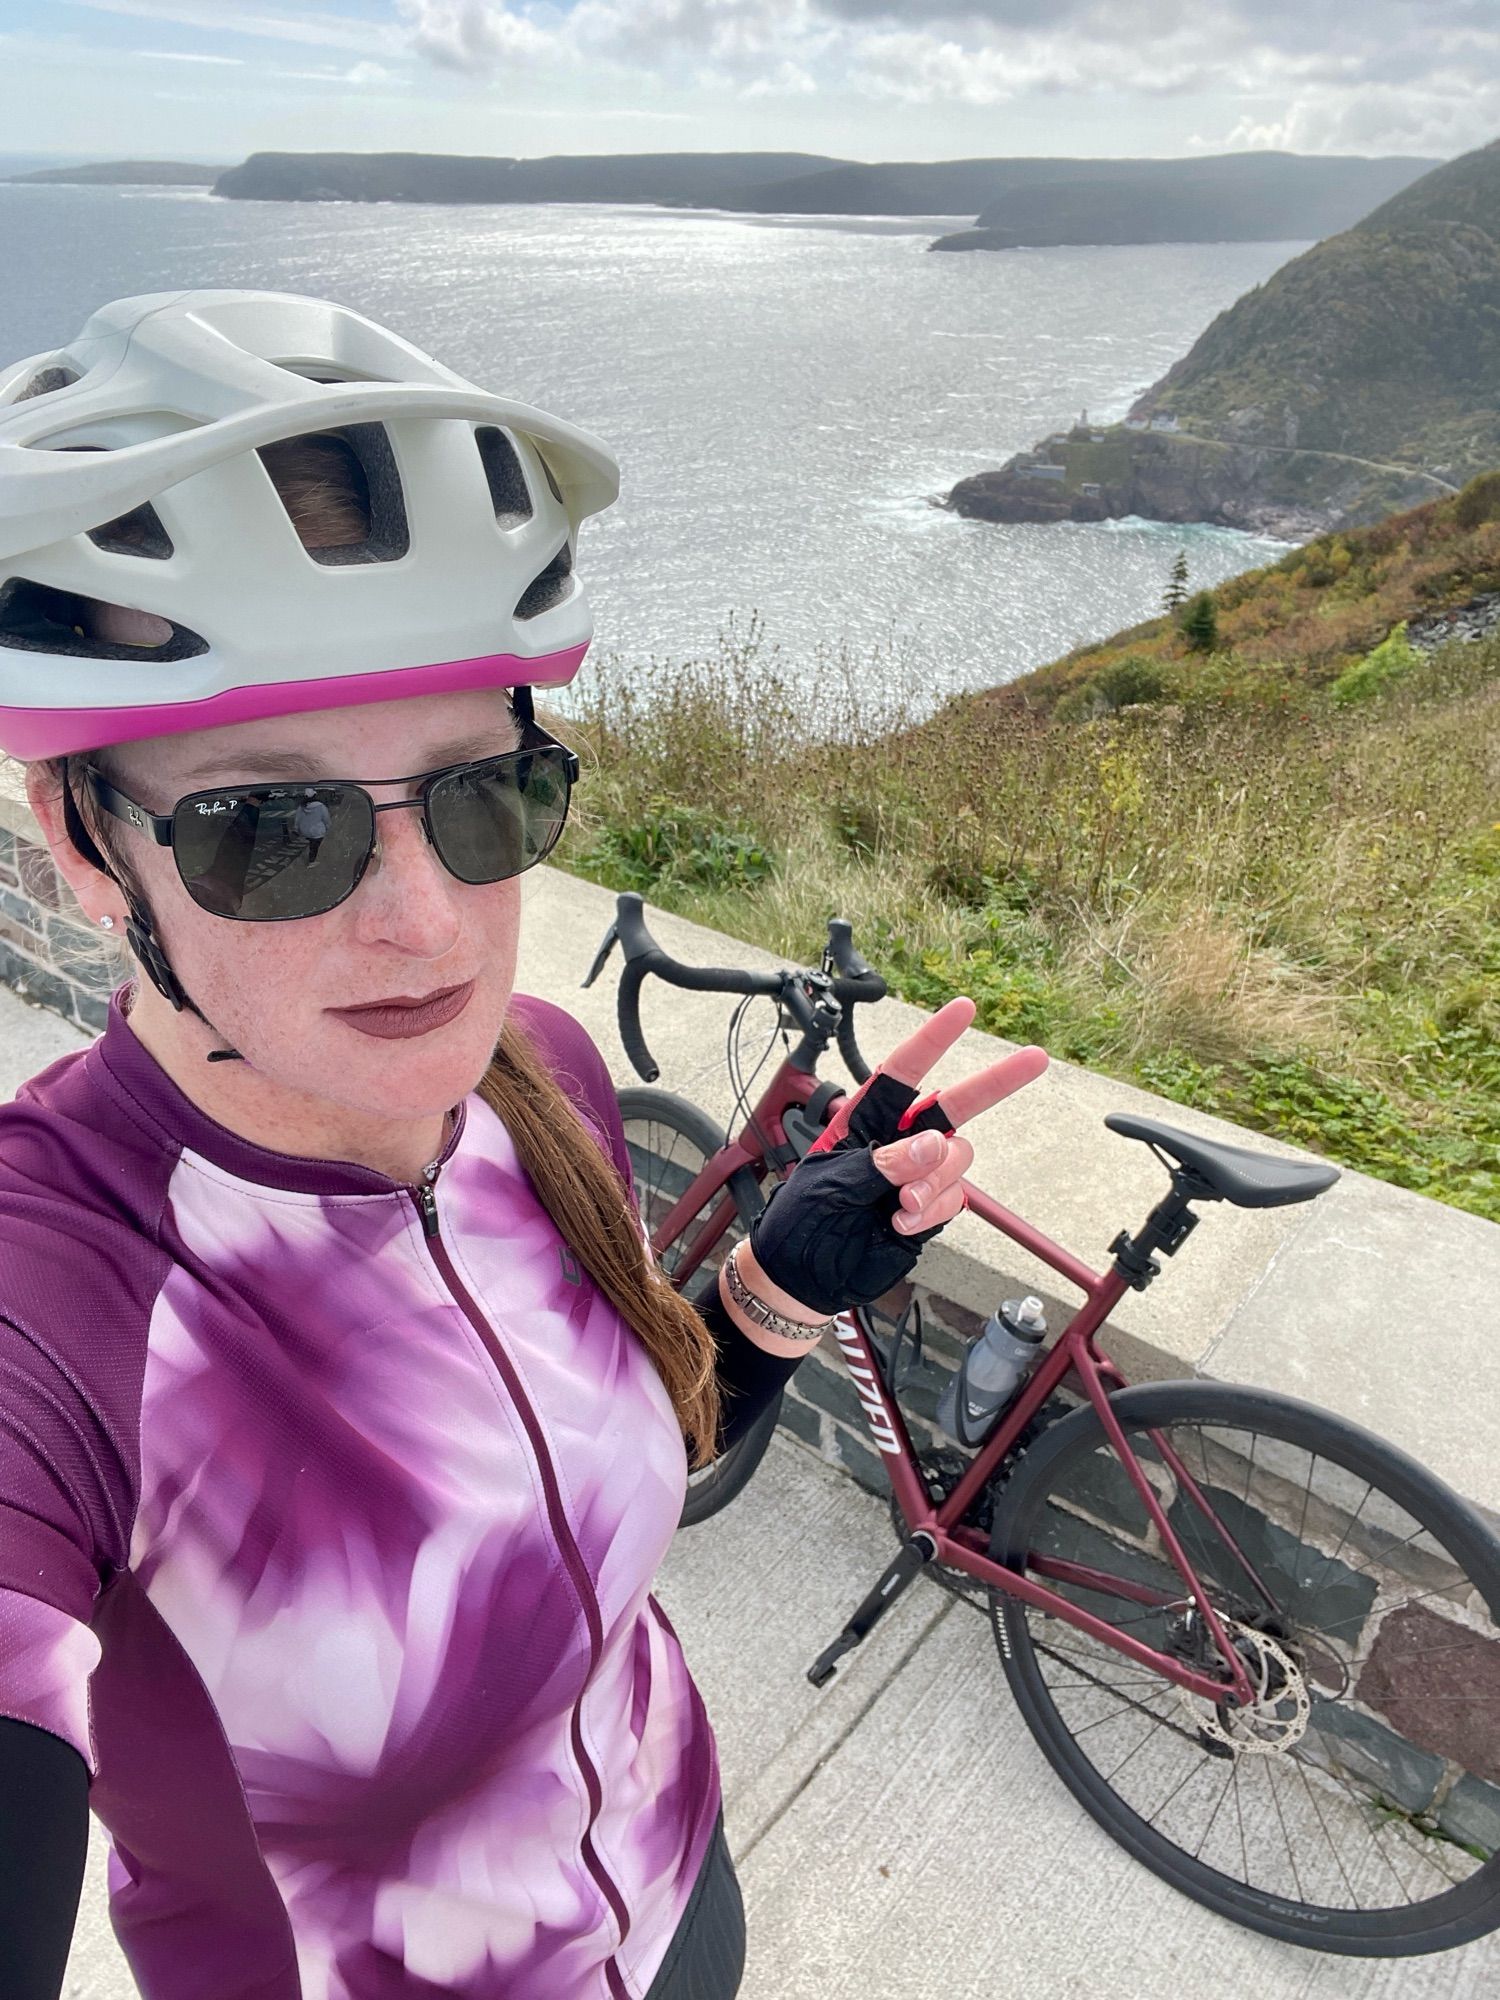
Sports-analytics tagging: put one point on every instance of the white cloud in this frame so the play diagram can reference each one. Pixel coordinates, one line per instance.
(475, 38)
(335, 31)
(181, 55)
(789, 79)
(1415, 76)
(1435, 118)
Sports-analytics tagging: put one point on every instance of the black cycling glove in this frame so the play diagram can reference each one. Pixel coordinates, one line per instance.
(825, 1235)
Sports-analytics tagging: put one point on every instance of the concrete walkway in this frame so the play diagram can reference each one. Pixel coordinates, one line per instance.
(898, 1833)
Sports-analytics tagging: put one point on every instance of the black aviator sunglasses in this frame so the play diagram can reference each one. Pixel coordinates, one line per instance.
(267, 853)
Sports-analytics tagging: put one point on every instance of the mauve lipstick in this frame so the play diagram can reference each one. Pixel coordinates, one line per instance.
(399, 1023)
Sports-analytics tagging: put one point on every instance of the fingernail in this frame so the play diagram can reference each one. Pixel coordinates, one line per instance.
(928, 1149)
(915, 1193)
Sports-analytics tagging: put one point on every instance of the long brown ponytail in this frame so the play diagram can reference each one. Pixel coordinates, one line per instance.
(585, 1197)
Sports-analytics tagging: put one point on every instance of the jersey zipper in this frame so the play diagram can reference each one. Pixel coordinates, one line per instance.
(424, 1194)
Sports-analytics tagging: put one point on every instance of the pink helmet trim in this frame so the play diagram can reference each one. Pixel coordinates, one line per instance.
(34, 733)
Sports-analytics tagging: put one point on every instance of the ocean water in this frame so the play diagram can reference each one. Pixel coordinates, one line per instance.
(786, 397)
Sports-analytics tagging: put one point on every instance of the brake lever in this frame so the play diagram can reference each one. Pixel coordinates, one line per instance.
(601, 956)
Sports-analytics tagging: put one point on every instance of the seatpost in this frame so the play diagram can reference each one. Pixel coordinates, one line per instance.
(1167, 1228)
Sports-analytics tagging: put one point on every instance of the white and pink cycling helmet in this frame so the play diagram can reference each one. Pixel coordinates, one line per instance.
(155, 415)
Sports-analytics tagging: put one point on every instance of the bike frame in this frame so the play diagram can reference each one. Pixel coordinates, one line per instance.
(1074, 1355)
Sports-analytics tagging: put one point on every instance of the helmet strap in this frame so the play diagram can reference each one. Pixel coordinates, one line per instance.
(140, 929)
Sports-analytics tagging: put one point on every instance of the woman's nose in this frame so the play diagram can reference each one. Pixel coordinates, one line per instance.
(407, 897)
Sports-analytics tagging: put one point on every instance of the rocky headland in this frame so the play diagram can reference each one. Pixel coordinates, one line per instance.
(1161, 476)
(1231, 198)
(1361, 378)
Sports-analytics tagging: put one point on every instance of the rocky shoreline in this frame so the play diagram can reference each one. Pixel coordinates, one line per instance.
(1100, 475)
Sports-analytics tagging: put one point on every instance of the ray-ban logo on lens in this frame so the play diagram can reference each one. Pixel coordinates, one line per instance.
(218, 806)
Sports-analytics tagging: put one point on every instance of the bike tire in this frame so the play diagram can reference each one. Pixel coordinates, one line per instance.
(653, 1118)
(1070, 1493)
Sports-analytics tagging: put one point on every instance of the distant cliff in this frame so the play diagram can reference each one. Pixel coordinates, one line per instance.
(699, 179)
(1274, 196)
(125, 173)
(1231, 198)
(1362, 377)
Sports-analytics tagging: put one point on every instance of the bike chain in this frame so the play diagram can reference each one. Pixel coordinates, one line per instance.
(943, 1467)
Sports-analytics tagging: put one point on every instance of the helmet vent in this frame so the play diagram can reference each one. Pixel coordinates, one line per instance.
(45, 381)
(35, 618)
(548, 588)
(342, 494)
(138, 533)
(318, 371)
(502, 468)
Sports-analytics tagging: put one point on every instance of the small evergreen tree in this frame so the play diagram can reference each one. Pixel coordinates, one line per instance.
(1200, 623)
(1175, 595)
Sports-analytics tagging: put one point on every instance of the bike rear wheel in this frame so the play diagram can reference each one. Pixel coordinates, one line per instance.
(670, 1143)
(1355, 1808)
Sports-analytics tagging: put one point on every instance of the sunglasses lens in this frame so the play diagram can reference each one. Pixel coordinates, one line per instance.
(492, 821)
(268, 853)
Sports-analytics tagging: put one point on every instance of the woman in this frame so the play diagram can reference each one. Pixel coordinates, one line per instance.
(344, 1412)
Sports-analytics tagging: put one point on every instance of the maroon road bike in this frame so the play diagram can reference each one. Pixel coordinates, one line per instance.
(1258, 1644)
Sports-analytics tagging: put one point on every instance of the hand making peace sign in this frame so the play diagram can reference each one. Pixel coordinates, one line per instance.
(885, 1176)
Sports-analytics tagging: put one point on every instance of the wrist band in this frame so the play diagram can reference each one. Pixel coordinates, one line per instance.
(767, 1316)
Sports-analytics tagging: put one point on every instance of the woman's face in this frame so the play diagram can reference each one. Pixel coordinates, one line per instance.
(410, 929)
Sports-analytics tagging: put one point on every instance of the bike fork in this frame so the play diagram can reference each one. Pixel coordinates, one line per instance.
(913, 1557)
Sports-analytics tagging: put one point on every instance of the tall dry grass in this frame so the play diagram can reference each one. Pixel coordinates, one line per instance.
(1279, 909)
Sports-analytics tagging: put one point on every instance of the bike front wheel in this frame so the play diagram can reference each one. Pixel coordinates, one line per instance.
(670, 1143)
(1355, 1807)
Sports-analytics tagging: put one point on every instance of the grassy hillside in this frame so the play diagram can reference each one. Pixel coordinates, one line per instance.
(1298, 624)
(1382, 342)
(1215, 874)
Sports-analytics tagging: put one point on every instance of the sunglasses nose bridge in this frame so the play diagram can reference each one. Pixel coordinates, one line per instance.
(379, 806)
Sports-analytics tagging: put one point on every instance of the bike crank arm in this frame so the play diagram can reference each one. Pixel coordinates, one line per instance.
(913, 1558)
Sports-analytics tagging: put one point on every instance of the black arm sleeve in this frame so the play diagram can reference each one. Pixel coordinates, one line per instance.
(749, 1378)
(44, 1831)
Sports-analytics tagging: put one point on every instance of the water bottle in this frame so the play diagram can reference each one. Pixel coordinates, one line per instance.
(993, 1369)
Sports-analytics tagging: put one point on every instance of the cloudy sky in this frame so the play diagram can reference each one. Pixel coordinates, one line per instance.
(870, 79)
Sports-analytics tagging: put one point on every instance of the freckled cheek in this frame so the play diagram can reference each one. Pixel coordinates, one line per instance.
(292, 971)
(497, 933)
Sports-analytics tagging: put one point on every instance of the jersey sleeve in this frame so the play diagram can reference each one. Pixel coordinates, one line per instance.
(60, 1530)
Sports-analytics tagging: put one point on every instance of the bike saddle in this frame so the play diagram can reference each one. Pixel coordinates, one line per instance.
(1232, 1173)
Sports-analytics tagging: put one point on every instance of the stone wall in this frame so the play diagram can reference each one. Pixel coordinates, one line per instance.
(47, 951)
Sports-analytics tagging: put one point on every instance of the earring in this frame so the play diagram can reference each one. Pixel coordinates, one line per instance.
(106, 923)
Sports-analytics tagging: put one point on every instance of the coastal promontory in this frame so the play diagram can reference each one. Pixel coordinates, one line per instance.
(1227, 198)
(1363, 376)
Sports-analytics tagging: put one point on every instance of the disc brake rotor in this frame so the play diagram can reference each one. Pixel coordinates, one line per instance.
(1276, 1719)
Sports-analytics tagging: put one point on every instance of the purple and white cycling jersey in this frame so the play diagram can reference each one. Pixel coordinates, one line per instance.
(328, 1518)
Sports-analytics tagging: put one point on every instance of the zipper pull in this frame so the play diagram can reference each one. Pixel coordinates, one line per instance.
(427, 1207)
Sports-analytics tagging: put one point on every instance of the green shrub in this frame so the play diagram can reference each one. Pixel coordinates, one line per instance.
(680, 844)
(1132, 680)
(1200, 624)
(1389, 662)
